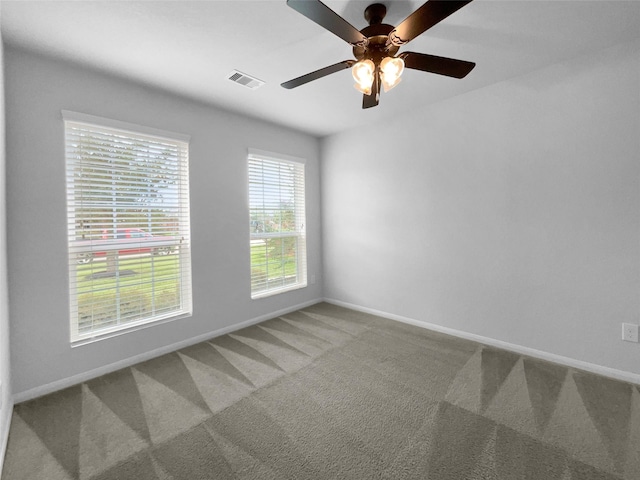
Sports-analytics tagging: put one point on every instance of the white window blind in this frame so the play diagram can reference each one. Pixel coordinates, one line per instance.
(277, 224)
(128, 224)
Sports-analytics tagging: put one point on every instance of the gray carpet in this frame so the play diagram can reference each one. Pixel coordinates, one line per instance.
(329, 393)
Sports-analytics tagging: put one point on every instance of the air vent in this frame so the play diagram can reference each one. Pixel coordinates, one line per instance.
(246, 80)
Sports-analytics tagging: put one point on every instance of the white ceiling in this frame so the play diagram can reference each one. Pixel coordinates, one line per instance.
(190, 47)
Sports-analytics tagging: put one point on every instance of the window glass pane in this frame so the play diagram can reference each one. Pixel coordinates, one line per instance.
(128, 218)
(276, 225)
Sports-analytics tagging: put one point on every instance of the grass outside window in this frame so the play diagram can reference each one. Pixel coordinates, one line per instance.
(142, 286)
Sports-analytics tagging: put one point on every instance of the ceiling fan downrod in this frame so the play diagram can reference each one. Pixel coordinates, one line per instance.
(375, 13)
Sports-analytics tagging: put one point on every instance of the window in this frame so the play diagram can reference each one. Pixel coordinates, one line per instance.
(128, 225)
(277, 224)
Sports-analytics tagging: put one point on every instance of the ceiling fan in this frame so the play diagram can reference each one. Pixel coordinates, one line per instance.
(375, 47)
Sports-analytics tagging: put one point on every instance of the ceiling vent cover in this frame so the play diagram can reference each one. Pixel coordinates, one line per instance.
(246, 80)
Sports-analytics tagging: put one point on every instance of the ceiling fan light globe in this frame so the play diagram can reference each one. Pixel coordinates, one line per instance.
(362, 73)
(392, 67)
(388, 85)
(361, 89)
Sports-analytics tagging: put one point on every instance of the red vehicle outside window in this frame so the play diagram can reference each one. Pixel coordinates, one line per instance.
(134, 241)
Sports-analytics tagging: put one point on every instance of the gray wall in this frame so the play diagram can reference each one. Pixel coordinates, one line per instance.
(38, 88)
(5, 396)
(510, 212)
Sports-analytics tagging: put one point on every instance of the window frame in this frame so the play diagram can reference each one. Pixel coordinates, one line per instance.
(300, 214)
(182, 241)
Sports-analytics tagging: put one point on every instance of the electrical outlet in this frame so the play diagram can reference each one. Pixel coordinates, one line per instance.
(629, 332)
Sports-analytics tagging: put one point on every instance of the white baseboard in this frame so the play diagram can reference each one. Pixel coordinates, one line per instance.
(127, 362)
(5, 425)
(531, 352)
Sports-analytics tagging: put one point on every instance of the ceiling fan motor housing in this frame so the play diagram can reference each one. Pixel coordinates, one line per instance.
(377, 34)
(376, 48)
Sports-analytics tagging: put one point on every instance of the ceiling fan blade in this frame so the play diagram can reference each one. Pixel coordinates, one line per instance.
(325, 17)
(425, 17)
(440, 65)
(323, 72)
(372, 100)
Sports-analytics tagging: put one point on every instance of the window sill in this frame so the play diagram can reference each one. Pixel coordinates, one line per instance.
(277, 291)
(132, 327)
